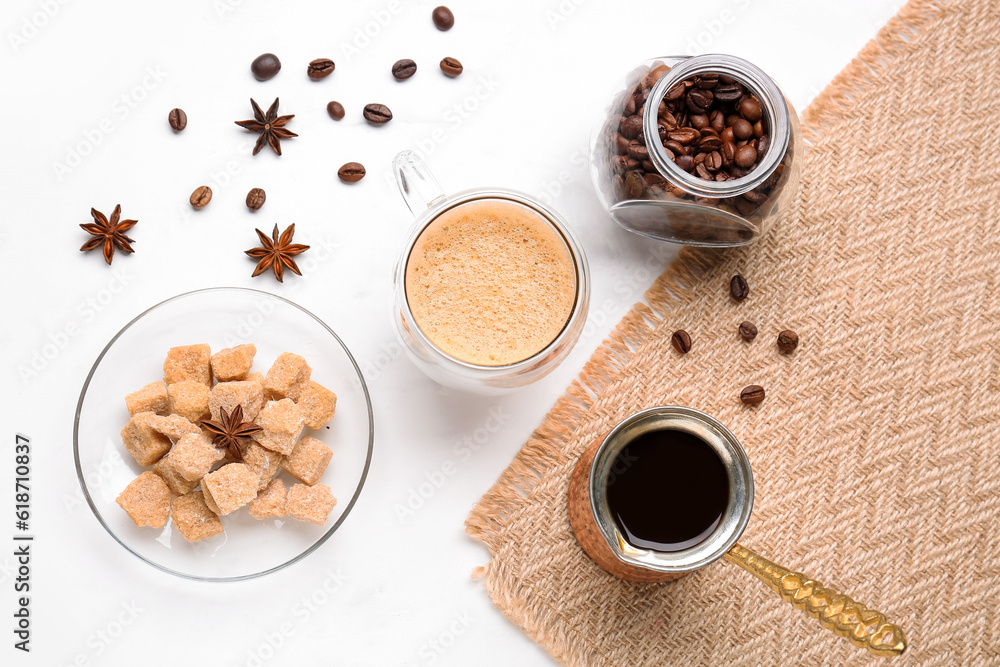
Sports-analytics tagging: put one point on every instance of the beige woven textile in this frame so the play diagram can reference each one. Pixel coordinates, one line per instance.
(877, 451)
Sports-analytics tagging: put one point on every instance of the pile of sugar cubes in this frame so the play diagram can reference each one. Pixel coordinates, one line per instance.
(192, 481)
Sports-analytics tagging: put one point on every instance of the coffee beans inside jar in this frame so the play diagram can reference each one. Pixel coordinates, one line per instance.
(697, 150)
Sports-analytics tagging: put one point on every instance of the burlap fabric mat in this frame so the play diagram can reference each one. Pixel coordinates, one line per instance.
(877, 451)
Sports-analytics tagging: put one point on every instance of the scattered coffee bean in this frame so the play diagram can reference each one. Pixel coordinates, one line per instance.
(681, 341)
(255, 199)
(265, 66)
(405, 68)
(178, 119)
(752, 395)
(377, 114)
(788, 340)
(443, 18)
(748, 330)
(451, 67)
(738, 288)
(352, 172)
(320, 68)
(201, 196)
(335, 109)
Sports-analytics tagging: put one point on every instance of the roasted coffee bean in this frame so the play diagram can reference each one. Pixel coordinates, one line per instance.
(654, 75)
(728, 135)
(758, 128)
(717, 121)
(320, 68)
(684, 135)
(788, 340)
(669, 119)
(698, 100)
(742, 129)
(621, 142)
(675, 147)
(702, 172)
(752, 395)
(654, 178)
(451, 67)
(634, 185)
(754, 196)
(745, 207)
(751, 109)
(630, 106)
(352, 172)
(685, 162)
(404, 69)
(335, 109)
(748, 330)
(729, 92)
(707, 81)
(443, 18)
(721, 177)
(631, 126)
(178, 119)
(648, 166)
(265, 66)
(738, 288)
(681, 341)
(746, 156)
(638, 151)
(201, 196)
(728, 152)
(713, 161)
(762, 145)
(710, 143)
(675, 93)
(698, 120)
(256, 199)
(377, 114)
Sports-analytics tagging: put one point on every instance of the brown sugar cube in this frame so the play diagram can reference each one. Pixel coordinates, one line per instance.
(239, 392)
(233, 363)
(308, 460)
(188, 362)
(281, 422)
(174, 427)
(270, 502)
(175, 481)
(310, 503)
(146, 500)
(287, 377)
(189, 399)
(193, 455)
(318, 404)
(263, 462)
(230, 487)
(193, 518)
(256, 377)
(144, 444)
(151, 398)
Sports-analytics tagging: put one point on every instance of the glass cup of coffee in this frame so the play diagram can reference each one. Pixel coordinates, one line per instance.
(668, 491)
(492, 287)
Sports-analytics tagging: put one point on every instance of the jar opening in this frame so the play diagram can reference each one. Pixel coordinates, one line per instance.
(774, 113)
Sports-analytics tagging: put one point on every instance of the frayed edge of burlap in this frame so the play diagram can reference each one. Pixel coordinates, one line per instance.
(544, 449)
(839, 96)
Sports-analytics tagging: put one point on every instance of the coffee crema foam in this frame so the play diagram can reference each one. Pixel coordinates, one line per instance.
(491, 282)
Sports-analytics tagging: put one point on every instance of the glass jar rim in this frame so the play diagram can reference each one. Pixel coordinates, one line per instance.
(760, 84)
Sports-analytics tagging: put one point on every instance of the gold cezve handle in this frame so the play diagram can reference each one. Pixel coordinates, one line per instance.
(863, 627)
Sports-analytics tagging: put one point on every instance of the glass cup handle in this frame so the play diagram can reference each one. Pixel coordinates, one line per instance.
(416, 183)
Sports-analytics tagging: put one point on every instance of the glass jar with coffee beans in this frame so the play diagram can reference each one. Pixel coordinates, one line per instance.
(699, 150)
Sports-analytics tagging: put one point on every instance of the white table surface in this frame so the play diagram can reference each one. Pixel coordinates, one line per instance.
(95, 80)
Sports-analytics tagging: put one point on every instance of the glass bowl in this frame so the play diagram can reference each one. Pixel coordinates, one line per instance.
(222, 317)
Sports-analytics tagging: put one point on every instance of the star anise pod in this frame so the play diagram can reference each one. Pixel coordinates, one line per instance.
(271, 127)
(231, 431)
(276, 253)
(109, 233)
